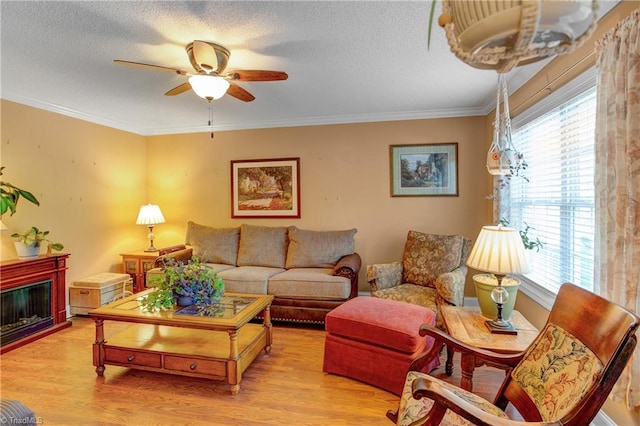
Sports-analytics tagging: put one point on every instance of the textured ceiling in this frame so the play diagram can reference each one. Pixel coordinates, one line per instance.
(348, 61)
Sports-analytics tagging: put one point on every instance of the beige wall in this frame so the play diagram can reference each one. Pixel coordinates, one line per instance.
(344, 180)
(90, 181)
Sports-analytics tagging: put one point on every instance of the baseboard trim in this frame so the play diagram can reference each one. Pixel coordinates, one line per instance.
(602, 419)
(471, 301)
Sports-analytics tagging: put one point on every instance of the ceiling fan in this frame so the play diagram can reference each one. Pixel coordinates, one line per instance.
(210, 81)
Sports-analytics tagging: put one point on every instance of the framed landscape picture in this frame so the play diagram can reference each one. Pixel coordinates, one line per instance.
(424, 170)
(265, 188)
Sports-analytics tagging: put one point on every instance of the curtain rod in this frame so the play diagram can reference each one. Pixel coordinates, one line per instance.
(580, 66)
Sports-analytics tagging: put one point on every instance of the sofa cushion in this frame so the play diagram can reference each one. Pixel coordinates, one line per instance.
(318, 249)
(427, 255)
(263, 246)
(213, 245)
(310, 283)
(381, 322)
(248, 279)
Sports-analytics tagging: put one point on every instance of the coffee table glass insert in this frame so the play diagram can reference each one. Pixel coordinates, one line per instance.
(181, 341)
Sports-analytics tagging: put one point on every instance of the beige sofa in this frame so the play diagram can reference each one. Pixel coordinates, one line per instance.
(308, 272)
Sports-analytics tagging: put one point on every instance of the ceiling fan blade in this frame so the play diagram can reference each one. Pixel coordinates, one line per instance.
(257, 75)
(239, 93)
(179, 89)
(158, 67)
(205, 56)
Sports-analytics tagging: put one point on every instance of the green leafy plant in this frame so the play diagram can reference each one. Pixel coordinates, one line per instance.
(529, 242)
(11, 194)
(35, 236)
(193, 279)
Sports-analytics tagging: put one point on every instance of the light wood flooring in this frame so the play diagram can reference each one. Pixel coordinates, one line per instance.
(54, 376)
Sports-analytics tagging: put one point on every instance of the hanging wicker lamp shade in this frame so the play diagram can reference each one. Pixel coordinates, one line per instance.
(503, 34)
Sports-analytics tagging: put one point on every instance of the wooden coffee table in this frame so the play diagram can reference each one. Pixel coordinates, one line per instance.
(219, 347)
(467, 325)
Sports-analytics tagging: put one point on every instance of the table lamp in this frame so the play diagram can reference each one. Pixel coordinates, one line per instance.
(499, 250)
(150, 215)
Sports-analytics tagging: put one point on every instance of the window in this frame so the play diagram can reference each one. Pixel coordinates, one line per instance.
(558, 200)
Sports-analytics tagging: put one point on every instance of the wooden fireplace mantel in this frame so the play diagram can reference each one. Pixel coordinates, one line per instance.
(16, 273)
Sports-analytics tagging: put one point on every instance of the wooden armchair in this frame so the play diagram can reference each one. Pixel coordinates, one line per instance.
(563, 378)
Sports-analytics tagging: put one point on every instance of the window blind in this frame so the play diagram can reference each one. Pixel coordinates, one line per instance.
(558, 200)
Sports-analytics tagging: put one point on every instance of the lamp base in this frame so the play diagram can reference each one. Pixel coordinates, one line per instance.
(152, 248)
(501, 327)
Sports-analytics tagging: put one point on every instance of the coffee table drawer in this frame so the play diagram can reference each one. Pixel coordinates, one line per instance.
(195, 365)
(128, 356)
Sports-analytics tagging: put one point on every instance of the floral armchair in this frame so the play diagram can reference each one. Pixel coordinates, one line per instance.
(432, 272)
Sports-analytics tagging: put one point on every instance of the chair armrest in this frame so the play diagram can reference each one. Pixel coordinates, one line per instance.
(182, 255)
(444, 397)
(506, 361)
(384, 275)
(349, 267)
(450, 286)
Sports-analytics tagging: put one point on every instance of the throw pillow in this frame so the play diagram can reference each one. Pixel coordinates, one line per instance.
(427, 255)
(318, 249)
(262, 246)
(213, 245)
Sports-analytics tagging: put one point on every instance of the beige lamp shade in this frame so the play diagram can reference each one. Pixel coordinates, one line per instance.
(150, 214)
(498, 250)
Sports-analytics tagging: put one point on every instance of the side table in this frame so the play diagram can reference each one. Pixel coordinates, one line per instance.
(137, 264)
(467, 325)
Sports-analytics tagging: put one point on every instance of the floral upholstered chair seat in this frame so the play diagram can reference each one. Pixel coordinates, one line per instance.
(432, 272)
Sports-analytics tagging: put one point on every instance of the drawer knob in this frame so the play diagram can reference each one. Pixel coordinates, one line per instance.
(192, 367)
(130, 358)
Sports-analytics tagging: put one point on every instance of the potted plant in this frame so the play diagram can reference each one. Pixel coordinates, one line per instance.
(185, 284)
(29, 242)
(11, 194)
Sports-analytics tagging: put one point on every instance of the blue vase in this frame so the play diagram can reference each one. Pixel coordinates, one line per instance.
(185, 301)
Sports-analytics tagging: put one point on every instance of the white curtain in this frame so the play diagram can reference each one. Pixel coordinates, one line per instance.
(617, 181)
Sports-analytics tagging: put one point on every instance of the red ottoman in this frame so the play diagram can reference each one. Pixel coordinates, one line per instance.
(374, 340)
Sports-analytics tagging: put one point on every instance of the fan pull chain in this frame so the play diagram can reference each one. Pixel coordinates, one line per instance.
(211, 119)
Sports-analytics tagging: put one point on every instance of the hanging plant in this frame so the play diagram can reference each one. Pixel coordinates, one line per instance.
(516, 170)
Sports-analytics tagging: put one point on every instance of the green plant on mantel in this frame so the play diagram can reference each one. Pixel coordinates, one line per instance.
(11, 194)
(36, 237)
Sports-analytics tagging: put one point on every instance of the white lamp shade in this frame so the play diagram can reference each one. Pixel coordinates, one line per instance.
(498, 250)
(208, 86)
(149, 214)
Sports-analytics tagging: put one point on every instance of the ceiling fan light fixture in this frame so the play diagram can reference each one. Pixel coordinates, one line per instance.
(209, 87)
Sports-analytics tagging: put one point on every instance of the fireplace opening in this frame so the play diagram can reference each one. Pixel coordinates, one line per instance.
(25, 311)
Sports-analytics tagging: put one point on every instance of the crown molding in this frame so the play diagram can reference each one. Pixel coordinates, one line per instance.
(265, 124)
